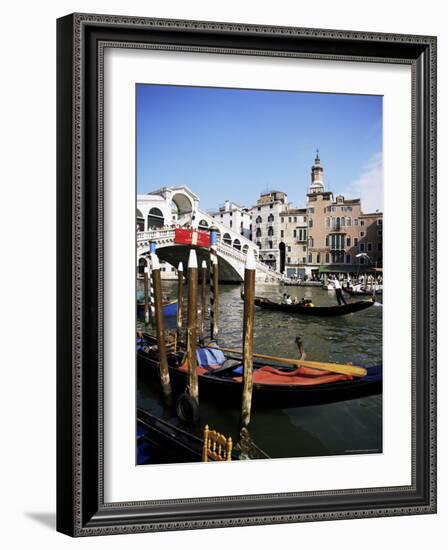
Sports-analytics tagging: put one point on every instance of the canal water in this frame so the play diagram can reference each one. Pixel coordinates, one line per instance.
(346, 427)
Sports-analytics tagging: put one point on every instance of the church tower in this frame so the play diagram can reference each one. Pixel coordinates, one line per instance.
(317, 176)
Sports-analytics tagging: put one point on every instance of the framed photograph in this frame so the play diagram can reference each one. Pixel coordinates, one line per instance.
(246, 274)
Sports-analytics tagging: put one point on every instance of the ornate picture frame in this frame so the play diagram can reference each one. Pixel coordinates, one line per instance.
(81, 507)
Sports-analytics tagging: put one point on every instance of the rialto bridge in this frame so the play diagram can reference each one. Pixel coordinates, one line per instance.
(160, 212)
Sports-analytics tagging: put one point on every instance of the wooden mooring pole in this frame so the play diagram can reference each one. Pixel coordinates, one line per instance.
(161, 347)
(248, 341)
(192, 384)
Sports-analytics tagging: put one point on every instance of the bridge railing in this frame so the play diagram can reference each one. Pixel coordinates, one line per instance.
(228, 250)
(223, 229)
(163, 233)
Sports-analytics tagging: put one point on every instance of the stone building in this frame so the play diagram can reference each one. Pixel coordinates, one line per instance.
(371, 239)
(235, 217)
(267, 227)
(338, 231)
(294, 241)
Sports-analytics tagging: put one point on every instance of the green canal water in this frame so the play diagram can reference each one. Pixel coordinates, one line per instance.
(353, 426)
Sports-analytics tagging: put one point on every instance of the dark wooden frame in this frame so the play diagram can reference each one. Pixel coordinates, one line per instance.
(81, 510)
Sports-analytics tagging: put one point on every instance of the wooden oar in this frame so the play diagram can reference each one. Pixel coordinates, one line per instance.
(350, 370)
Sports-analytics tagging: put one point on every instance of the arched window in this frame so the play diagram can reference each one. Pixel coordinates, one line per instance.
(342, 222)
(258, 232)
(338, 222)
(142, 263)
(348, 222)
(310, 242)
(227, 238)
(270, 232)
(237, 244)
(245, 248)
(155, 218)
(327, 241)
(310, 223)
(258, 220)
(271, 218)
(203, 224)
(140, 221)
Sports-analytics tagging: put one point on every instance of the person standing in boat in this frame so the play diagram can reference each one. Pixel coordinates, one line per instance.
(339, 296)
(300, 348)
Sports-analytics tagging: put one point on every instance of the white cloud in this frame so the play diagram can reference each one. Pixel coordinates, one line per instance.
(369, 185)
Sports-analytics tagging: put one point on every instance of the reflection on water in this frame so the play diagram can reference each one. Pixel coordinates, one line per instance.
(350, 426)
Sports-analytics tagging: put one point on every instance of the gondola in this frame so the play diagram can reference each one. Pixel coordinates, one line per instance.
(162, 442)
(308, 308)
(354, 292)
(274, 385)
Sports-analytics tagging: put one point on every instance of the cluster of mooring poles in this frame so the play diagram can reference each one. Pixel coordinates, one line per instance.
(188, 404)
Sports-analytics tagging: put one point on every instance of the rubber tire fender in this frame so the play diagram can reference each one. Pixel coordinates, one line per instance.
(187, 409)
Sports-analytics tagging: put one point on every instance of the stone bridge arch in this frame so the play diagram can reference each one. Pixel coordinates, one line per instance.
(175, 254)
(183, 203)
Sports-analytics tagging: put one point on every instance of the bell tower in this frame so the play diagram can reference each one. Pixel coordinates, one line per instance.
(317, 176)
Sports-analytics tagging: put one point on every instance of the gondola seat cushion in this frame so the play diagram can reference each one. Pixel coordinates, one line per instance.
(210, 357)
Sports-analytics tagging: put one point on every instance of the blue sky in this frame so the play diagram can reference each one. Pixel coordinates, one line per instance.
(234, 144)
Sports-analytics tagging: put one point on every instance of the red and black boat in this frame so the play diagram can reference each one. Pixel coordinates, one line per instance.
(274, 384)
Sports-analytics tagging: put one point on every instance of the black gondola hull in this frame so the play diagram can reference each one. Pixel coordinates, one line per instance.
(166, 443)
(317, 311)
(228, 391)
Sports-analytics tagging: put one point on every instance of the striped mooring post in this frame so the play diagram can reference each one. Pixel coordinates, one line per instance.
(203, 300)
(146, 282)
(214, 285)
(152, 250)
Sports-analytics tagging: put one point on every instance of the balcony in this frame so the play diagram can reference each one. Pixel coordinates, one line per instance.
(338, 228)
